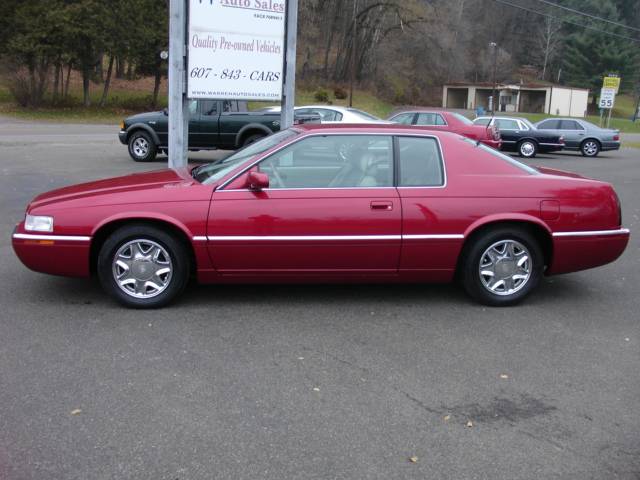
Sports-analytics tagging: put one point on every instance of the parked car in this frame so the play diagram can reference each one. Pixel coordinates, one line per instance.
(329, 203)
(450, 122)
(333, 114)
(213, 124)
(521, 136)
(587, 138)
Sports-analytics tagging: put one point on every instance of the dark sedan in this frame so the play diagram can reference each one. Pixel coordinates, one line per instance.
(521, 136)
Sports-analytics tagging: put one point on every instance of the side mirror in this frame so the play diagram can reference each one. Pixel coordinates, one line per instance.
(165, 110)
(256, 181)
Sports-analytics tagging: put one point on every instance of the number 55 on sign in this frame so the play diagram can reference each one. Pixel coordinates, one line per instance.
(607, 97)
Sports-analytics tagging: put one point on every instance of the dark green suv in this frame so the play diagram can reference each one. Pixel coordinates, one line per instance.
(213, 124)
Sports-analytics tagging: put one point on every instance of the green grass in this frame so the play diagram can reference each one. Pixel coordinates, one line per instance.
(120, 104)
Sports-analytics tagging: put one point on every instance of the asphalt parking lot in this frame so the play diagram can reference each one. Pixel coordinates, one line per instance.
(305, 382)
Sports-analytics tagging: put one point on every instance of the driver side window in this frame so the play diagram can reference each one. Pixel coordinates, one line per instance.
(332, 161)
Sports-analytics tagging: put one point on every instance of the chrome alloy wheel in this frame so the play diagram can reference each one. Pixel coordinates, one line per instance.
(527, 149)
(505, 267)
(140, 147)
(590, 148)
(142, 268)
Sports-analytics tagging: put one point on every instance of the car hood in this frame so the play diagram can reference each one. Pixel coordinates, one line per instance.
(144, 117)
(134, 183)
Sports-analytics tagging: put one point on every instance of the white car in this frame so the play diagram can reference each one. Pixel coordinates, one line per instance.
(333, 114)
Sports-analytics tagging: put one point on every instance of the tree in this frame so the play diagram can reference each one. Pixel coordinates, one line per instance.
(590, 55)
(549, 43)
(33, 42)
(152, 36)
(88, 33)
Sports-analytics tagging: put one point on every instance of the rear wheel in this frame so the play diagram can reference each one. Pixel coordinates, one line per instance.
(143, 267)
(590, 148)
(142, 148)
(502, 266)
(527, 148)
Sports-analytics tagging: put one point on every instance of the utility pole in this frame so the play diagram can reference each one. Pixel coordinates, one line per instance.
(289, 80)
(636, 112)
(353, 52)
(494, 45)
(178, 106)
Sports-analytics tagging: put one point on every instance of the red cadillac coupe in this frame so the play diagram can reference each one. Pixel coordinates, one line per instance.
(329, 203)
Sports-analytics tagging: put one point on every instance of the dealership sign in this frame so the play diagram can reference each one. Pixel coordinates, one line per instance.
(235, 49)
(607, 97)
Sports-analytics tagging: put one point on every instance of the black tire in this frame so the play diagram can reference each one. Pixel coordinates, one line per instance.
(474, 283)
(590, 147)
(252, 138)
(142, 148)
(179, 265)
(527, 148)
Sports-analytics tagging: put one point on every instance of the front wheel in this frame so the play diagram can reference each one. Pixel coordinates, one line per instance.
(142, 147)
(527, 149)
(590, 148)
(143, 266)
(502, 266)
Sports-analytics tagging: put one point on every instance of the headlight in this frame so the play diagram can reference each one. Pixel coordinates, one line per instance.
(121, 124)
(37, 223)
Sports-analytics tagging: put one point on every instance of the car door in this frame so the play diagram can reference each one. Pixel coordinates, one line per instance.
(331, 208)
(509, 131)
(431, 119)
(406, 118)
(161, 126)
(204, 125)
(430, 244)
(572, 132)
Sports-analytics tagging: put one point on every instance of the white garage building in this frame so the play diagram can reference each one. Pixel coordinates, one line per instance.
(526, 97)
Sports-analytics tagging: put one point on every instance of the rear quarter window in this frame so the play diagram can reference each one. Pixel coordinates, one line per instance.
(481, 159)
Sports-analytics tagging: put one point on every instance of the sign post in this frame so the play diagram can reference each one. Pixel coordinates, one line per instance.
(289, 85)
(607, 100)
(178, 111)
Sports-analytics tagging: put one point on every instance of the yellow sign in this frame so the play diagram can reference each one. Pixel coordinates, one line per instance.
(611, 82)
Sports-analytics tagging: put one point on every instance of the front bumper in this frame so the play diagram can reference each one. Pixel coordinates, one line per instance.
(122, 136)
(64, 255)
(573, 251)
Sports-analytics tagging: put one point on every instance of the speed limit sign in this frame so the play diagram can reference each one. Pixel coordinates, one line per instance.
(607, 97)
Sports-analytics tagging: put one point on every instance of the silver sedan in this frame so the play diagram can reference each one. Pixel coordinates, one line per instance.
(583, 136)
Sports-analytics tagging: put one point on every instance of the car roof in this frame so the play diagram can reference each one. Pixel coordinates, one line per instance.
(499, 117)
(390, 128)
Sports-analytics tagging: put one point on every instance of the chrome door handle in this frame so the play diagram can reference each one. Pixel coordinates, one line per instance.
(381, 205)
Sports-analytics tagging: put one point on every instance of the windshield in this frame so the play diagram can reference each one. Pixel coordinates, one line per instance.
(502, 156)
(362, 114)
(462, 118)
(211, 172)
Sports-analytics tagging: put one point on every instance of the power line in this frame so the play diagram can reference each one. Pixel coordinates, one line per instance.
(585, 14)
(504, 2)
